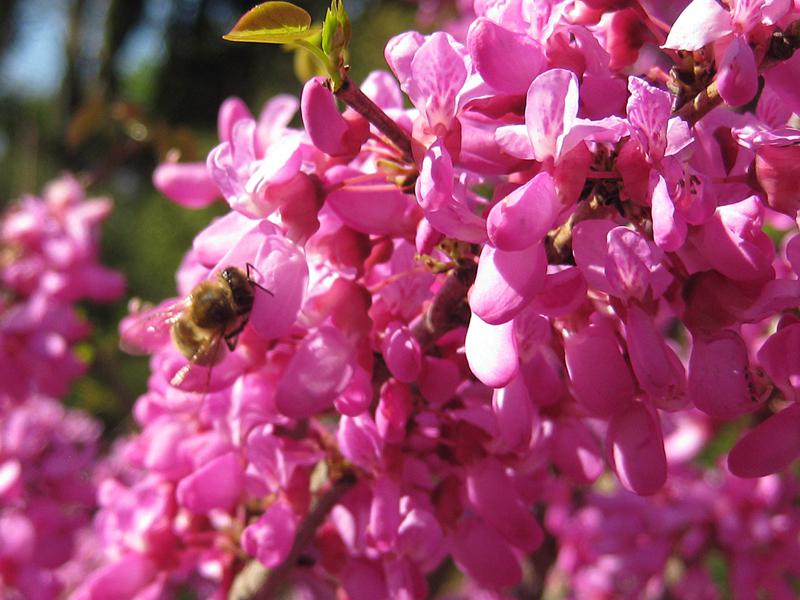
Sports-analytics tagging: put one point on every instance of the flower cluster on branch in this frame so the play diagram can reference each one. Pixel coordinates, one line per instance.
(574, 259)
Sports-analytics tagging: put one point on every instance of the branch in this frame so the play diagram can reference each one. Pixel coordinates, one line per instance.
(702, 104)
(255, 581)
(449, 307)
(356, 99)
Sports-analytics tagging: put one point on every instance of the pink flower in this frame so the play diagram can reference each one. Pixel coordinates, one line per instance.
(270, 538)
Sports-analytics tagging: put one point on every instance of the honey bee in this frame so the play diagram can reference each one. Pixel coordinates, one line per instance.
(214, 311)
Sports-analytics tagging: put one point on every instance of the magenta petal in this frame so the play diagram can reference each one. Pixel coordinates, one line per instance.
(216, 240)
(491, 351)
(649, 109)
(439, 73)
(629, 262)
(669, 229)
(363, 580)
(270, 538)
(769, 447)
(490, 47)
(360, 441)
(401, 352)
(514, 412)
(734, 243)
(563, 292)
(399, 53)
(484, 555)
(325, 125)
(601, 379)
(551, 108)
(420, 536)
(657, 367)
(382, 89)
(737, 74)
(435, 191)
(576, 451)
(514, 140)
(590, 247)
(384, 515)
(231, 110)
(319, 371)
(217, 484)
(524, 216)
(371, 209)
(123, 579)
(273, 120)
(188, 184)
(636, 449)
(281, 270)
(779, 357)
(793, 253)
(506, 282)
(493, 495)
(718, 380)
(394, 409)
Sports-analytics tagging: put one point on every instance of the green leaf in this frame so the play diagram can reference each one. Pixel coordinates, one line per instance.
(273, 22)
(336, 31)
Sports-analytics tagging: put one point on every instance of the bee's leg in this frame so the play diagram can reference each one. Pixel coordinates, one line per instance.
(232, 337)
(250, 268)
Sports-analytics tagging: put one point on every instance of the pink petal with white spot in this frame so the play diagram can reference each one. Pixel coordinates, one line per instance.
(700, 23)
(491, 351)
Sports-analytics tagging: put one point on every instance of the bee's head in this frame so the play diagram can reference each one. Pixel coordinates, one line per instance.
(240, 287)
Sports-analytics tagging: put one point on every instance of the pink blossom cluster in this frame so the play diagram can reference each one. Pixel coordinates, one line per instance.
(702, 527)
(570, 257)
(47, 496)
(49, 260)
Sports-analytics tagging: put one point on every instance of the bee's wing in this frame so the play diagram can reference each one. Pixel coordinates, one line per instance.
(145, 331)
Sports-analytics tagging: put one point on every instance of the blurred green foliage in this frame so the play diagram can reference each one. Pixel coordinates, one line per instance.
(111, 120)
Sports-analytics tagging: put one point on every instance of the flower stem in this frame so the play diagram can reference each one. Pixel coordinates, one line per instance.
(352, 95)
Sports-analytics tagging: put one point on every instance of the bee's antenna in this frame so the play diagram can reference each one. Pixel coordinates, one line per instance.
(252, 281)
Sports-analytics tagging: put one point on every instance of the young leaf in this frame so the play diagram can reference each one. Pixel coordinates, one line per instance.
(274, 22)
(335, 30)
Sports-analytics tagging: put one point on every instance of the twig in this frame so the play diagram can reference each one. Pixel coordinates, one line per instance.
(449, 307)
(256, 582)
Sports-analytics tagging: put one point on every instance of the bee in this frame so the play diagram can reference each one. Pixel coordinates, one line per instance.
(215, 311)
